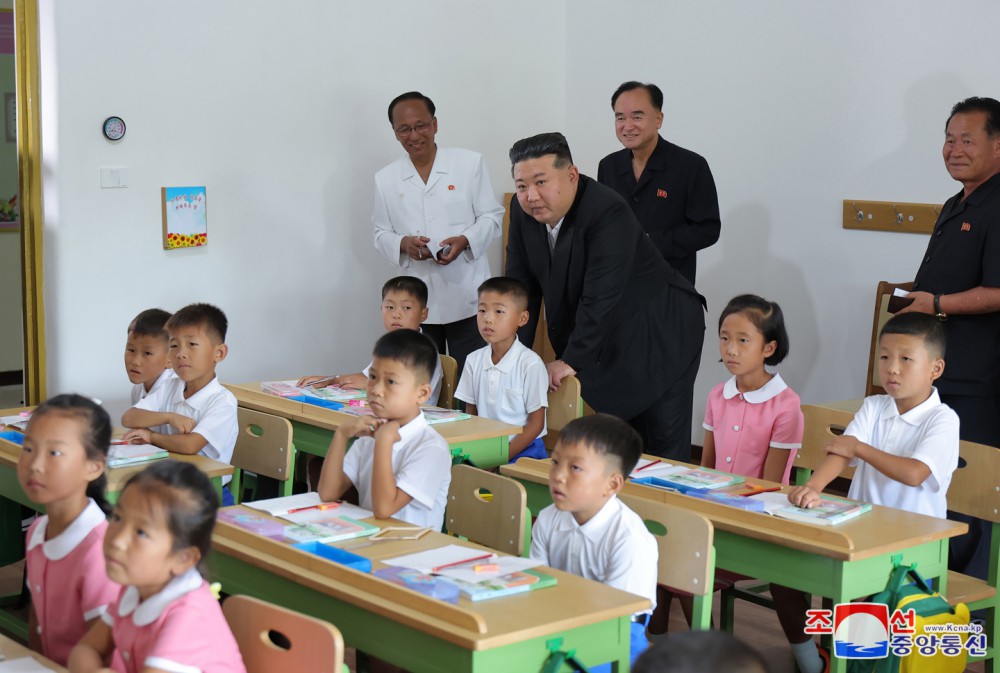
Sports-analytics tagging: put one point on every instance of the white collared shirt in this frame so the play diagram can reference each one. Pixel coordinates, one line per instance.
(139, 390)
(613, 548)
(213, 409)
(421, 465)
(457, 200)
(928, 433)
(506, 391)
(553, 233)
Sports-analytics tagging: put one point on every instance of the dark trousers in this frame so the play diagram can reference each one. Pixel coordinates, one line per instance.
(665, 427)
(457, 339)
(969, 554)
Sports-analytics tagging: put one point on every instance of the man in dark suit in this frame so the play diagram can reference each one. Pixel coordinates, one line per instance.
(620, 318)
(670, 189)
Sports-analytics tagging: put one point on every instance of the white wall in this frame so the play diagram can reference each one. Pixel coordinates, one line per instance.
(796, 106)
(280, 110)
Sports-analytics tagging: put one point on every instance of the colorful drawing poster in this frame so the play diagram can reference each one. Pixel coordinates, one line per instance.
(185, 223)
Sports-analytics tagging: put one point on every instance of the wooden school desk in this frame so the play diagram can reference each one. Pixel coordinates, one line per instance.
(420, 633)
(484, 442)
(841, 563)
(11, 650)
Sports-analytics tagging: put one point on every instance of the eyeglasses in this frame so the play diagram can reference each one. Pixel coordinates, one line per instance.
(419, 127)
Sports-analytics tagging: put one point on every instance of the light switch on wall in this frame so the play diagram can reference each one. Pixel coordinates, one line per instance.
(113, 177)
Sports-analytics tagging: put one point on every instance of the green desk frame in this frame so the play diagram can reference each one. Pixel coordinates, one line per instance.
(413, 649)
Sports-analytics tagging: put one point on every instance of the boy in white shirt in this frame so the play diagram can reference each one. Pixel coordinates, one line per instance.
(196, 413)
(587, 530)
(404, 306)
(505, 380)
(904, 444)
(147, 355)
(399, 464)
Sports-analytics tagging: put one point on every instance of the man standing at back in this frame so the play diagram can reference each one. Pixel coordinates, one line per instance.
(959, 282)
(434, 216)
(670, 189)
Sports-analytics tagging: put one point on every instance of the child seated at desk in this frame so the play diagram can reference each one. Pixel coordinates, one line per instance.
(195, 413)
(905, 443)
(147, 353)
(505, 380)
(399, 464)
(586, 530)
(404, 306)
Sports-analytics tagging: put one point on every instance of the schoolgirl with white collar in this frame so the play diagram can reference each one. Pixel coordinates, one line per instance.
(165, 618)
(62, 467)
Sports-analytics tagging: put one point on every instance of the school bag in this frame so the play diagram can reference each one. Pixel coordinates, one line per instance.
(929, 609)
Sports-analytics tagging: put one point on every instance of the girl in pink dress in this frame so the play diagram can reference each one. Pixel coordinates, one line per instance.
(62, 468)
(165, 617)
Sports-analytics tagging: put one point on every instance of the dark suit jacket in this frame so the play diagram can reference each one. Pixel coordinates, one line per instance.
(674, 199)
(626, 321)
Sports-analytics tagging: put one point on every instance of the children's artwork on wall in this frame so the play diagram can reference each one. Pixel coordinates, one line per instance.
(185, 222)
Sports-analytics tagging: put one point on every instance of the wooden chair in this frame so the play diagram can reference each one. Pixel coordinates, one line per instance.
(686, 541)
(272, 638)
(975, 491)
(449, 377)
(565, 405)
(264, 447)
(882, 294)
(496, 520)
(821, 424)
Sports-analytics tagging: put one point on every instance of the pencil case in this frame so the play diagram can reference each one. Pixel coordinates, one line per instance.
(317, 401)
(656, 482)
(748, 504)
(12, 436)
(341, 556)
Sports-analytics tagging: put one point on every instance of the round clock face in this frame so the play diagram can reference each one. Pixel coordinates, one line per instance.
(114, 128)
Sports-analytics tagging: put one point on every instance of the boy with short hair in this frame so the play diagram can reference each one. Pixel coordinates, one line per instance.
(147, 357)
(505, 380)
(587, 530)
(404, 306)
(904, 443)
(399, 464)
(198, 414)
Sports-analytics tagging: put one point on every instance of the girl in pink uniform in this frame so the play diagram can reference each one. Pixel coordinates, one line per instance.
(753, 427)
(165, 617)
(62, 467)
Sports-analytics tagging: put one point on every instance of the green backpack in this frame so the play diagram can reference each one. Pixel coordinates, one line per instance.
(929, 608)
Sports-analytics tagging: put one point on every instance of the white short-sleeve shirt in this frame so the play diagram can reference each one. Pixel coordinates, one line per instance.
(421, 465)
(613, 548)
(506, 391)
(928, 433)
(139, 390)
(213, 409)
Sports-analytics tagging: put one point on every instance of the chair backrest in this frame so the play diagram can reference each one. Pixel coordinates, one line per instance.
(821, 425)
(273, 638)
(565, 404)
(449, 376)
(882, 294)
(686, 542)
(975, 485)
(264, 444)
(496, 521)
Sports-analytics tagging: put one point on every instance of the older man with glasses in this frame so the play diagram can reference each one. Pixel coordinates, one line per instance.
(435, 214)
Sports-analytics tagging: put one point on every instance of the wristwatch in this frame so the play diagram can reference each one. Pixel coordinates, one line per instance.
(938, 313)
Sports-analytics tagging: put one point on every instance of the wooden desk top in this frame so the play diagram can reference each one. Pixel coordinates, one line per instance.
(9, 453)
(249, 395)
(880, 531)
(11, 649)
(571, 603)
(851, 406)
